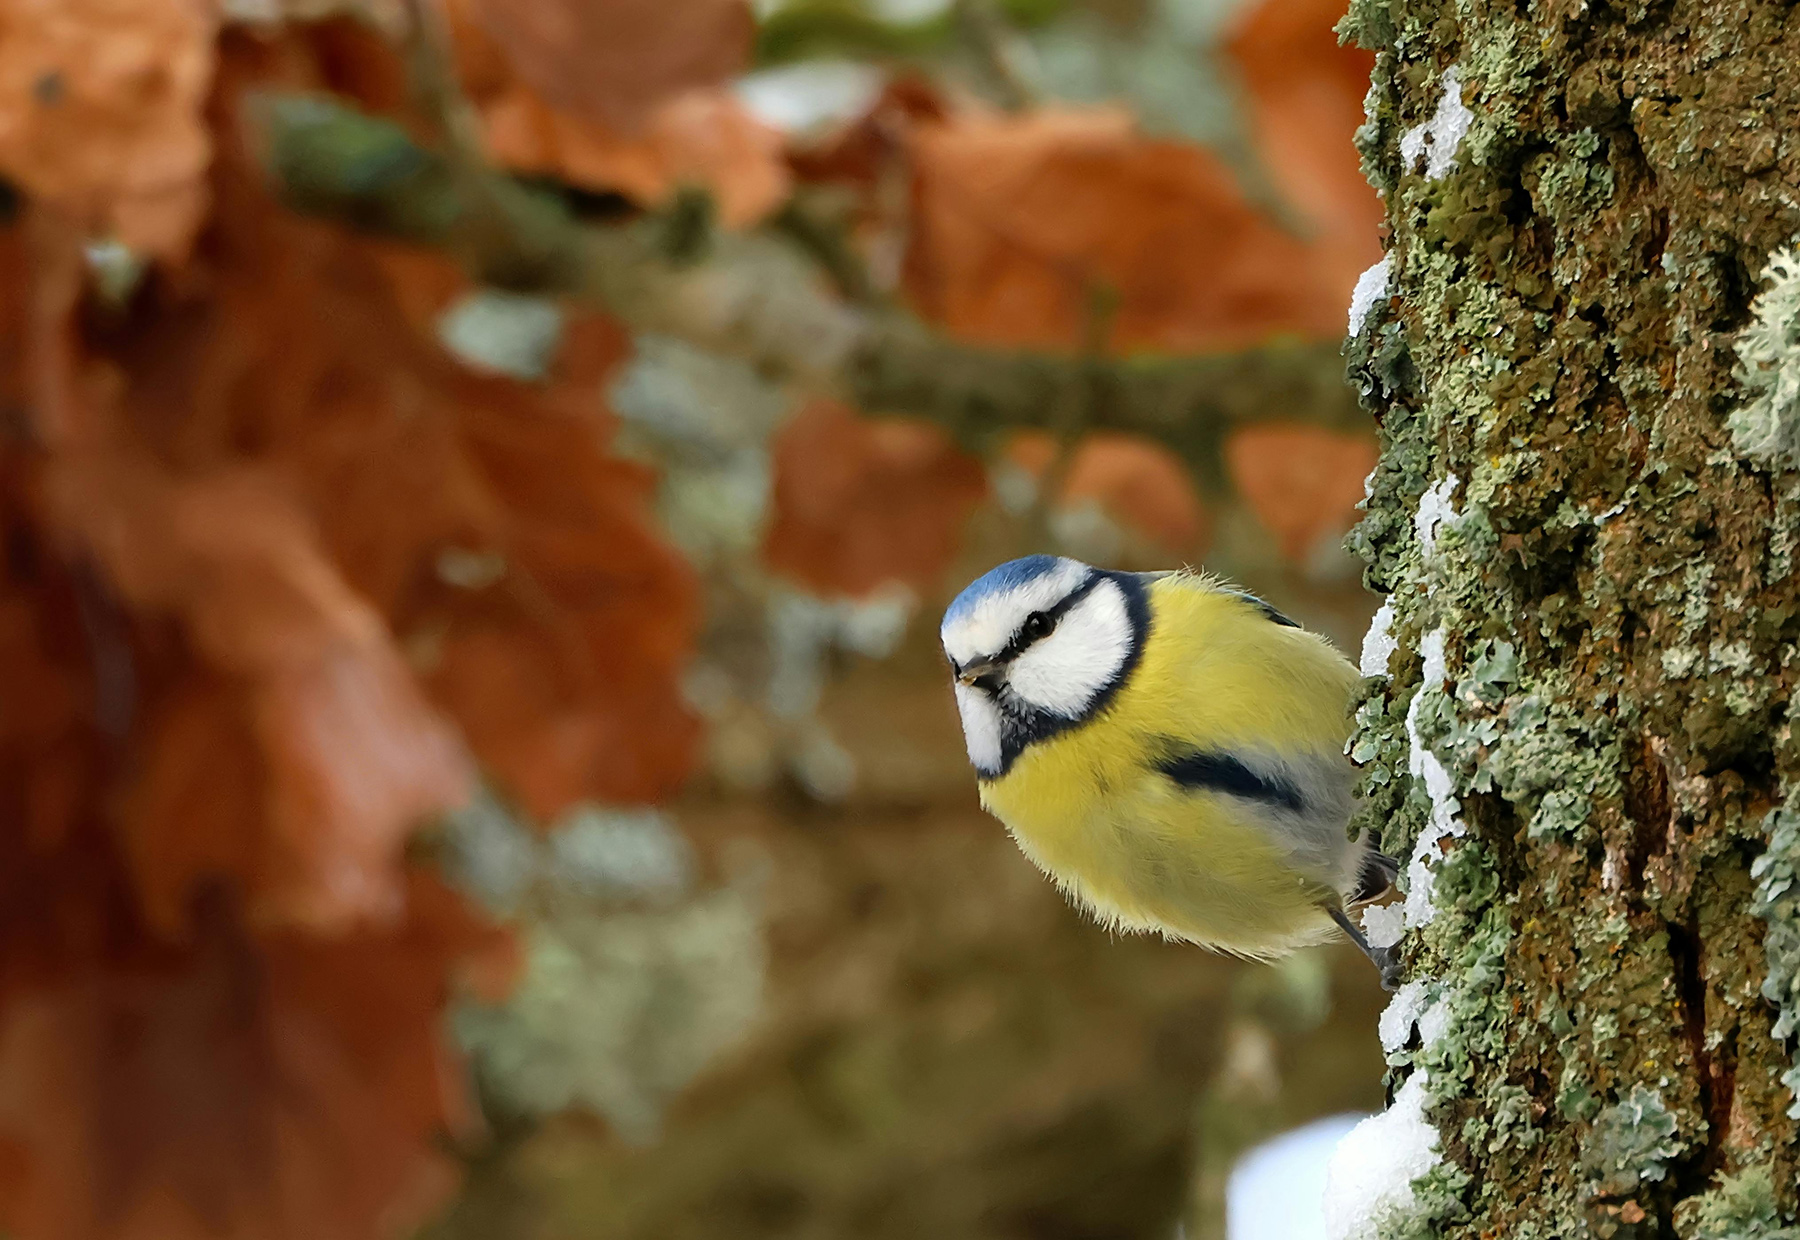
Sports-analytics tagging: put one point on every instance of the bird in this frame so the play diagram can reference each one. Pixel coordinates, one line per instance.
(1170, 751)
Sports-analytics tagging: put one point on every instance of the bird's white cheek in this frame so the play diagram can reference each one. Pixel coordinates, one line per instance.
(1065, 672)
(981, 728)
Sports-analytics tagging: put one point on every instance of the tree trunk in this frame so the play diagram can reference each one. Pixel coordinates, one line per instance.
(1585, 515)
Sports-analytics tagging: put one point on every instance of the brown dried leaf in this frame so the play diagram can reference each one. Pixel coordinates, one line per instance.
(234, 1083)
(862, 502)
(564, 672)
(863, 151)
(221, 993)
(15, 315)
(686, 133)
(1023, 220)
(101, 113)
(48, 763)
(1306, 100)
(1136, 482)
(1302, 482)
(337, 755)
(613, 62)
(702, 138)
(561, 657)
(235, 1087)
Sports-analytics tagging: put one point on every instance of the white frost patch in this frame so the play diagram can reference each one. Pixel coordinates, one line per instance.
(1277, 1190)
(1767, 426)
(1378, 643)
(1383, 924)
(1401, 1014)
(1435, 509)
(1434, 143)
(1425, 767)
(1369, 1180)
(1371, 288)
(1414, 1005)
(1434, 1023)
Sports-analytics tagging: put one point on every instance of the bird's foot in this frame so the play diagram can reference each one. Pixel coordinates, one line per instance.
(1387, 960)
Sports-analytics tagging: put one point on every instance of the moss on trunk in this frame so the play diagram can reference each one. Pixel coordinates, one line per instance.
(1595, 600)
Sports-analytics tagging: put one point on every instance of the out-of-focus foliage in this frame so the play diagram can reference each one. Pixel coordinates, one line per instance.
(331, 572)
(1022, 222)
(859, 504)
(1119, 497)
(1303, 482)
(100, 114)
(630, 982)
(624, 98)
(1304, 91)
(617, 61)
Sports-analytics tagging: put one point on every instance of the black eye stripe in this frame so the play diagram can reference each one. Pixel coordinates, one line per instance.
(1022, 727)
(1052, 615)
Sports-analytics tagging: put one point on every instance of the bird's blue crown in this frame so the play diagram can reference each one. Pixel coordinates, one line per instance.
(1007, 576)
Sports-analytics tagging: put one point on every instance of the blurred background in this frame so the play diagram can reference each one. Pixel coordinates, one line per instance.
(480, 482)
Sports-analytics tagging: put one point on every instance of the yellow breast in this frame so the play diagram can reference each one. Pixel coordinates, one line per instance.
(1090, 809)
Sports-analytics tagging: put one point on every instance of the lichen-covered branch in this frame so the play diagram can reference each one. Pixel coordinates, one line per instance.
(758, 298)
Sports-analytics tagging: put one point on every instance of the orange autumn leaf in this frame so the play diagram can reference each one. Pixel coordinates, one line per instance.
(863, 502)
(232, 1086)
(1023, 220)
(1136, 482)
(222, 988)
(50, 717)
(1302, 482)
(562, 664)
(100, 113)
(1306, 100)
(703, 138)
(861, 152)
(564, 672)
(614, 61)
(340, 756)
(687, 133)
(231, 1080)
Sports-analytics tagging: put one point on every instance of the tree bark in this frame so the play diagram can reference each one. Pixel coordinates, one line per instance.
(1583, 745)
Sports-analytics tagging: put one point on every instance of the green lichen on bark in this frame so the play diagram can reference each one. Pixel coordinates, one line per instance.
(1744, 1206)
(1612, 602)
(1767, 425)
(1777, 902)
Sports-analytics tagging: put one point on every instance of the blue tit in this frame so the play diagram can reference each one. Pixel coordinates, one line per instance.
(1169, 750)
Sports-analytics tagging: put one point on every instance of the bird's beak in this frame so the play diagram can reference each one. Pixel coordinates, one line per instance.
(973, 674)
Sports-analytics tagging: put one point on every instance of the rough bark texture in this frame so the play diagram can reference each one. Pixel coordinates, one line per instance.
(1562, 510)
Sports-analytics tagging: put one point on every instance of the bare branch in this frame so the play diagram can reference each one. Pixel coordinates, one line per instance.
(756, 297)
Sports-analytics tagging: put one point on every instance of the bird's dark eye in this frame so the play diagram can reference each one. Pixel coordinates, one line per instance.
(1037, 625)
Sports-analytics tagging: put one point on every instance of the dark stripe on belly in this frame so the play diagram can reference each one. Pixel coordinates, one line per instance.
(1218, 772)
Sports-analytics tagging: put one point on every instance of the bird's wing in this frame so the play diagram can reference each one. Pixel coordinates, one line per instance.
(1268, 611)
